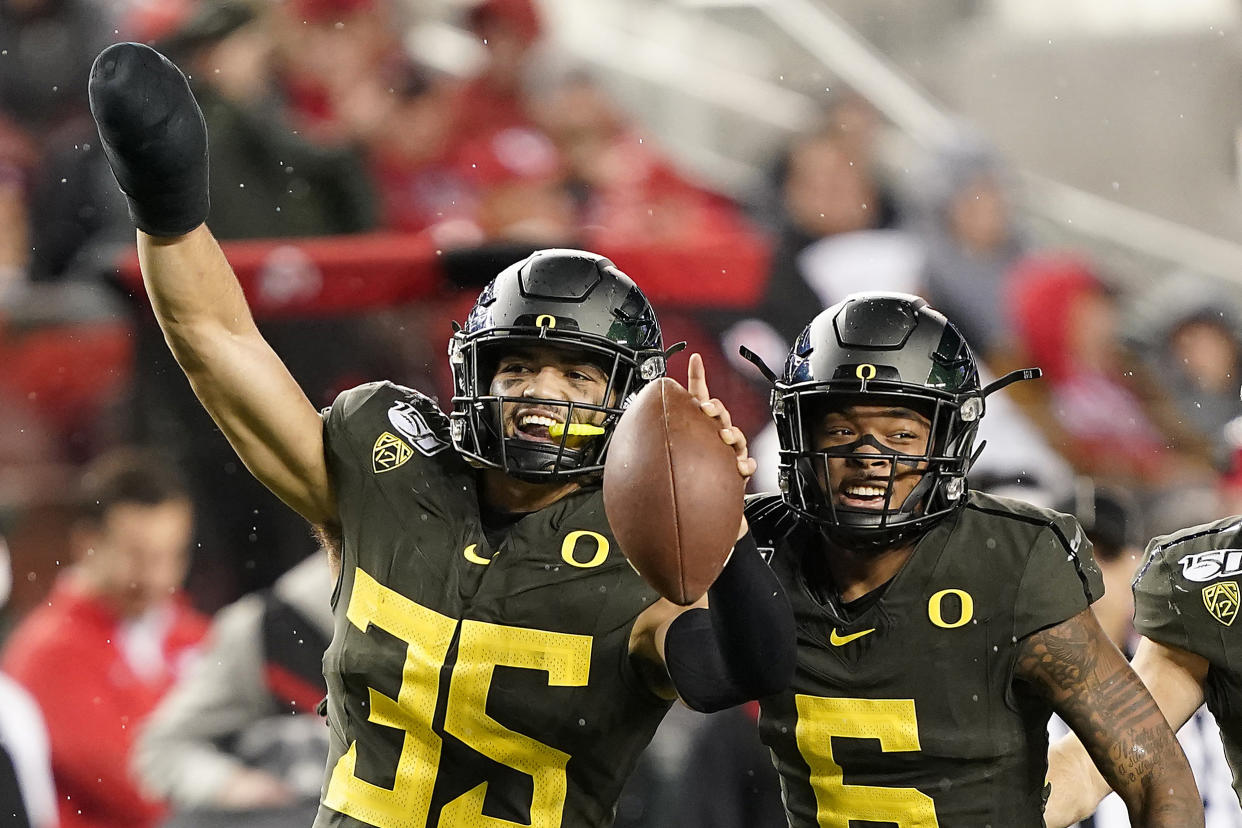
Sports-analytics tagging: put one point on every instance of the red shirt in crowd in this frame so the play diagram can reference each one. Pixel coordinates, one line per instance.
(96, 678)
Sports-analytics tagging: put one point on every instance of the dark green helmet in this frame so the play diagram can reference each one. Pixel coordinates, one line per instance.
(880, 349)
(570, 299)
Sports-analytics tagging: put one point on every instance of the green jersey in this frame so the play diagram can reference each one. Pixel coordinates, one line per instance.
(470, 685)
(904, 710)
(1186, 596)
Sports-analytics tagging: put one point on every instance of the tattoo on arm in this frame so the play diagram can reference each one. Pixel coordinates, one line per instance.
(1090, 684)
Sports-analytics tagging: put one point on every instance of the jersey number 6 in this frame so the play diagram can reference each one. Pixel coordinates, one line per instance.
(890, 721)
(482, 647)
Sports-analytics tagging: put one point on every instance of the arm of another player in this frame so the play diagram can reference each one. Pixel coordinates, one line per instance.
(156, 141)
(1092, 687)
(1174, 678)
(737, 642)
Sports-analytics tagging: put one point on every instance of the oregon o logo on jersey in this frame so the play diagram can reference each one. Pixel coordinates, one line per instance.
(936, 615)
(1222, 601)
(570, 546)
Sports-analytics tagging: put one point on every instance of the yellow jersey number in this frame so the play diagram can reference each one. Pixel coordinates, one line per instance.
(482, 647)
(893, 723)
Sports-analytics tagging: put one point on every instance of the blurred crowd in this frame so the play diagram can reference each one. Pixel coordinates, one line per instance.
(324, 121)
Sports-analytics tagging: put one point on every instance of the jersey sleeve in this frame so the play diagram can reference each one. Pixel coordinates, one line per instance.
(1156, 614)
(338, 418)
(1060, 578)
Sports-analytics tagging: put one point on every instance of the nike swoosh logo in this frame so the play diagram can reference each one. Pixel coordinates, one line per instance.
(838, 640)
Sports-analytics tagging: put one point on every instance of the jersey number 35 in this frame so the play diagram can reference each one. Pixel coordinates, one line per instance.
(482, 647)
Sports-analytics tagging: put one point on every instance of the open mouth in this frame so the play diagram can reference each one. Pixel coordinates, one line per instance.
(862, 495)
(535, 425)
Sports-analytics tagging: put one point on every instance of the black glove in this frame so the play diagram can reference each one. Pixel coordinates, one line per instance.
(154, 136)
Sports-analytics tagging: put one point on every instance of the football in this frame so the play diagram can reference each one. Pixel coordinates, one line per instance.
(672, 491)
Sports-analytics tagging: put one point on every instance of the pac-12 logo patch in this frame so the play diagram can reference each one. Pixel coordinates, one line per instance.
(390, 452)
(1212, 564)
(1222, 601)
(413, 426)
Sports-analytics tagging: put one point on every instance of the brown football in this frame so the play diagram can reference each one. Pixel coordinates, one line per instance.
(672, 491)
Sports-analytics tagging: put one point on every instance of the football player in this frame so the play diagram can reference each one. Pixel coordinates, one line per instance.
(1185, 603)
(937, 627)
(495, 659)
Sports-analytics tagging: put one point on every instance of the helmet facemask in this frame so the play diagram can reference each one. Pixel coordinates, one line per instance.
(941, 466)
(568, 306)
(479, 418)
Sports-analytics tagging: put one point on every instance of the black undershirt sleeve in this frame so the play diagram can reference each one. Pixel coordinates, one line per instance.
(742, 646)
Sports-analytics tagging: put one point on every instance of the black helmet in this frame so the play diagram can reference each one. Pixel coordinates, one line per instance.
(568, 298)
(876, 348)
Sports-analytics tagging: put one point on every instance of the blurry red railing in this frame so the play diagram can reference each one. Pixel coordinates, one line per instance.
(342, 274)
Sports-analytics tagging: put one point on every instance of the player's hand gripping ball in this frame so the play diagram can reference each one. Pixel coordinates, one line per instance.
(673, 491)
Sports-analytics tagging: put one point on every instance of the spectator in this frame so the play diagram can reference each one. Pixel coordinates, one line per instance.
(47, 46)
(27, 799)
(1189, 332)
(967, 228)
(267, 180)
(1094, 404)
(112, 637)
(826, 187)
(518, 191)
(497, 98)
(237, 741)
(326, 50)
(409, 151)
(627, 191)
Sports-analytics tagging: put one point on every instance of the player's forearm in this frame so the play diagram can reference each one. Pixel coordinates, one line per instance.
(1169, 800)
(1145, 764)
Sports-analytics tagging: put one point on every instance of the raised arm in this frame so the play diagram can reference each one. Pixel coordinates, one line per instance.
(156, 141)
(1174, 678)
(1092, 687)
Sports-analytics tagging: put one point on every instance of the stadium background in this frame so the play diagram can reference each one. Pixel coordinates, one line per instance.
(1062, 177)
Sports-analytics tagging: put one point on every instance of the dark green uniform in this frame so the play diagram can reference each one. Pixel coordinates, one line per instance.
(903, 710)
(471, 687)
(1186, 596)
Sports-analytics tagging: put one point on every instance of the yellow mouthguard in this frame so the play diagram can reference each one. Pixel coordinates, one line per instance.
(575, 430)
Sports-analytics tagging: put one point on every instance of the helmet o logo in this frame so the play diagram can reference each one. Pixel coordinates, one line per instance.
(933, 608)
(545, 320)
(570, 545)
(865, 372)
